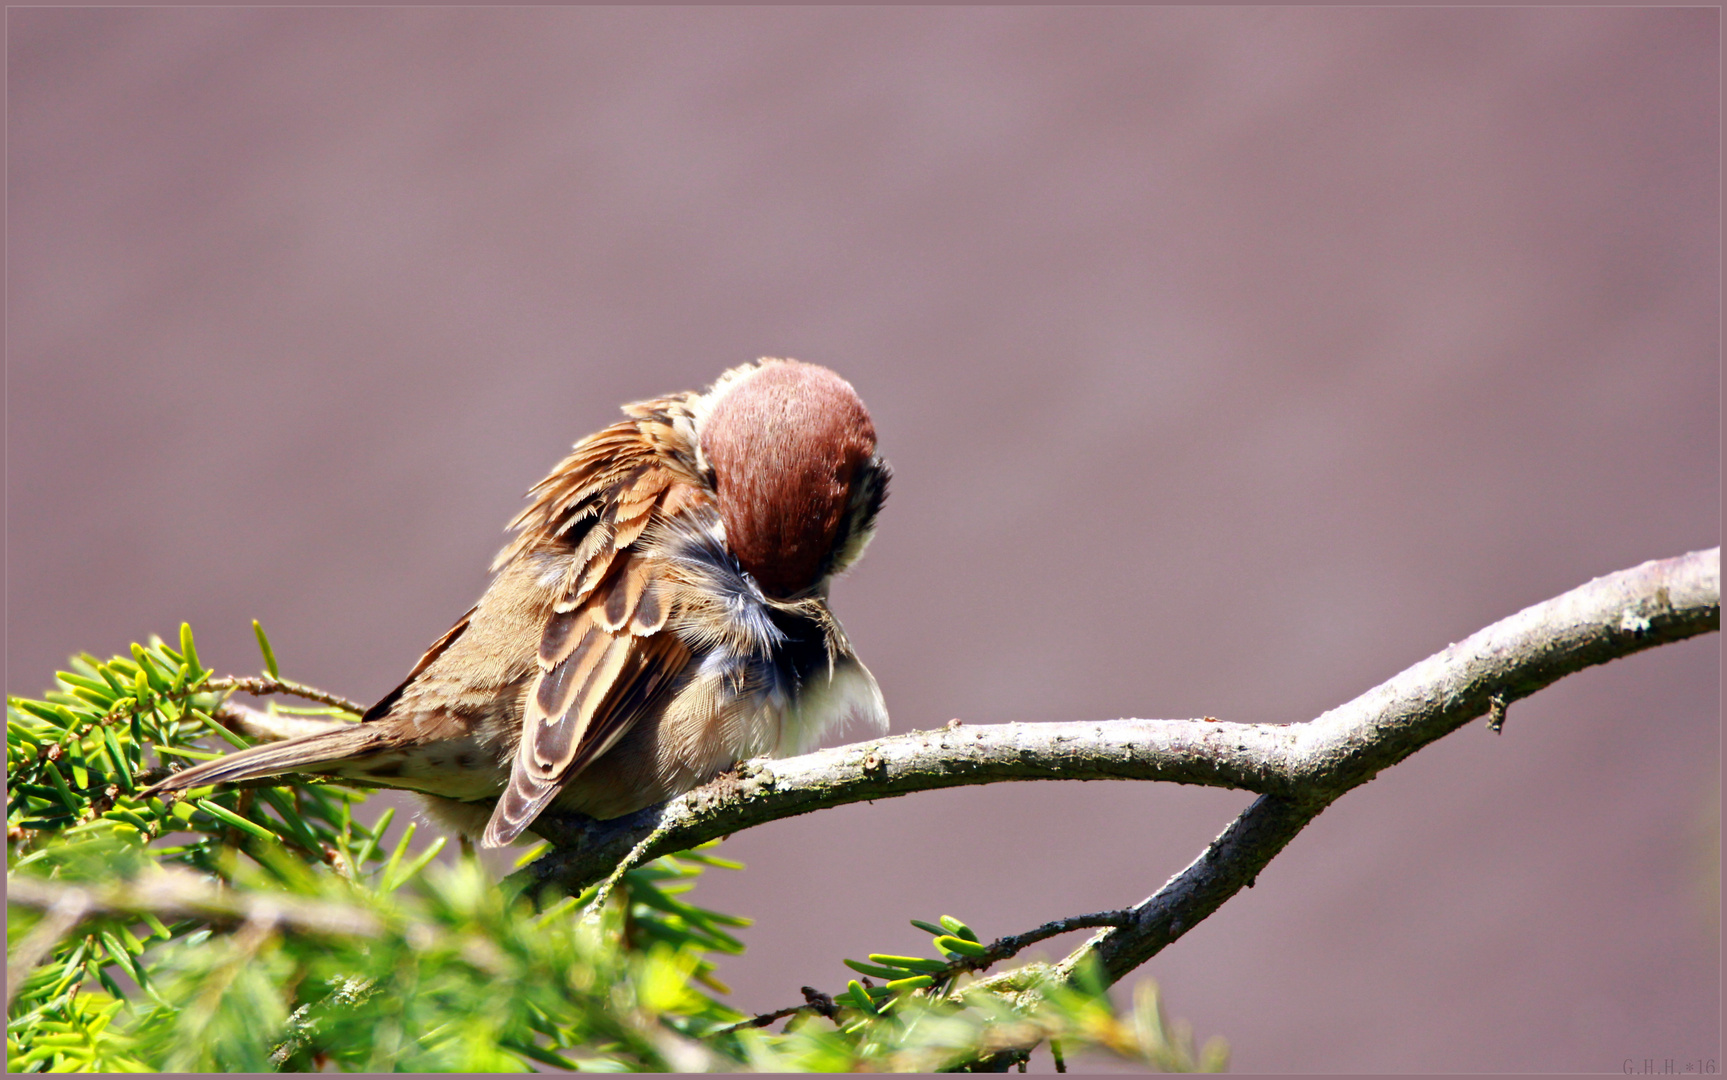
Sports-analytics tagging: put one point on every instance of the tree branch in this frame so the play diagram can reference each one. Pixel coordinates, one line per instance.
(1231, 862)
(1299, 768)
(1652, 604)
(260, 685)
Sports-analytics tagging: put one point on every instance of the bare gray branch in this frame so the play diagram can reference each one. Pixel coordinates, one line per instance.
(1300, 768)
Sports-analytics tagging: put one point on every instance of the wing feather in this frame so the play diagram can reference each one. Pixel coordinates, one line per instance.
(555, 690)
(625, 598)
(579, 709)
(650, 671)
(604, 659)
(561, 734)
(651, 612)
(629, 530)
(588, 566)
(564, 630)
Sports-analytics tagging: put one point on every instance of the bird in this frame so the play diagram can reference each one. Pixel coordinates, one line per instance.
(659, 615)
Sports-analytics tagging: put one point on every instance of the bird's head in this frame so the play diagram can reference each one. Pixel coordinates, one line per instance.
(792, 454)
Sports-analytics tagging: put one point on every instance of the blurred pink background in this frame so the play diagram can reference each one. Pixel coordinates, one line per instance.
(1229, 361)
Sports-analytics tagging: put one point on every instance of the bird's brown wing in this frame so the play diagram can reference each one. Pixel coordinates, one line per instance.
(603, 660)
(604, 665)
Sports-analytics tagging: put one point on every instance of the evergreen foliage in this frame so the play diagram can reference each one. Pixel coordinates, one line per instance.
(269, 928)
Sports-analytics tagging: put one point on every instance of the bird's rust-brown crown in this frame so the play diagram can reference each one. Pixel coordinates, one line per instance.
(787, 442)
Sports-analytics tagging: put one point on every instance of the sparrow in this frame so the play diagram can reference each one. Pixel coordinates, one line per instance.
(660, 615)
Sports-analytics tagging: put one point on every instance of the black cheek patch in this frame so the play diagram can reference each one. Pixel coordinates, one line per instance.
(803, 653)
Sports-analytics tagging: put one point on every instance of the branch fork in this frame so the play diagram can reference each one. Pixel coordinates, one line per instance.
(1297, 769)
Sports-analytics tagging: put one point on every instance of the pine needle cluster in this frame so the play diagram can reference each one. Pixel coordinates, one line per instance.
(270, 927)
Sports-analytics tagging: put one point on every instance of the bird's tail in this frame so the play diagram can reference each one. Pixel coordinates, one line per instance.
(304, 754)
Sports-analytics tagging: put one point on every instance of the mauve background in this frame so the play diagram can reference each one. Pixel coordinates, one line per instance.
(1229, 361)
